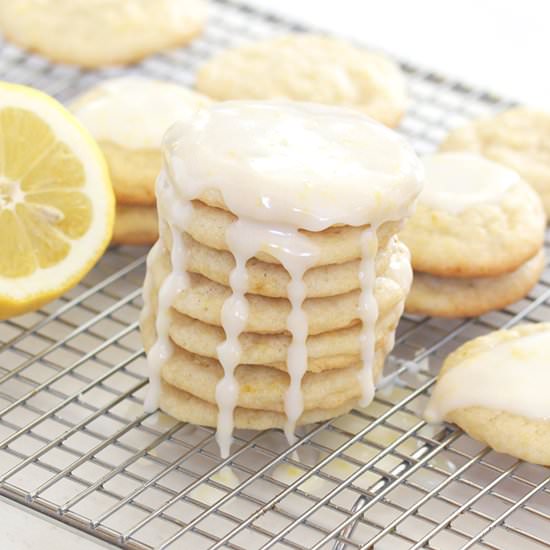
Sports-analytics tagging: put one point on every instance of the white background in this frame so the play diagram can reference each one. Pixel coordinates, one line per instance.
(500, 45)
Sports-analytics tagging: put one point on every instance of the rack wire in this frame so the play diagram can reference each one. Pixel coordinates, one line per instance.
(77, 446)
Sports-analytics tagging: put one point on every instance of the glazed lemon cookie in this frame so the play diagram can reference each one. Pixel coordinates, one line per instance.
(475, 239)
(94, 33)
(496, 389)
(518, 138)
(128, 117)
(308, 68)
(252, 313)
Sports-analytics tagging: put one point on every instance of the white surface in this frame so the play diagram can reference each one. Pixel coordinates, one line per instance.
(501, 45)
(22, 530)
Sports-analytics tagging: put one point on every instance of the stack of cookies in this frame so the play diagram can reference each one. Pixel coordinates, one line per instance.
(476, 238)
(274, 291)
(128, 117)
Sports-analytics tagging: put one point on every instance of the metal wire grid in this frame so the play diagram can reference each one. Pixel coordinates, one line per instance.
(77, 446)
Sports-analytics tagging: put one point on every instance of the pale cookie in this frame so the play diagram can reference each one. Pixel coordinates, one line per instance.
(94, 33)
(337, 244)
(135, 225)
(329, 350)
(263, 387)
(475, 218)
(272, 280)
(496, 389)
(188, 408)
(310, 68)
(461, 297)
(128, 117)
(518, 138)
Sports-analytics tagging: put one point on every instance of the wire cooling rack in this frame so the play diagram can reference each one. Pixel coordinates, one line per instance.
(77, 446)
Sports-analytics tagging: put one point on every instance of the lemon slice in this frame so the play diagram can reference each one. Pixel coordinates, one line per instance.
(56, 200)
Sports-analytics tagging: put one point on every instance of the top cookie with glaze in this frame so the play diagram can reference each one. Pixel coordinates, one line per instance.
(303, 165)
(474, 218)
(306, 67)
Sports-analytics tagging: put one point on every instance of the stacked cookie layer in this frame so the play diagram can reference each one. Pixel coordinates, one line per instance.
(476, 239)
(273, 293)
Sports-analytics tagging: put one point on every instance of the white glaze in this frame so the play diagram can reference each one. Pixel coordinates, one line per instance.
(234, 317)
(513, 376)
(245, 238)
(177, 213)
(281, 167)
(135, 112)
(368, 310)
(301, 164)
(457, 181)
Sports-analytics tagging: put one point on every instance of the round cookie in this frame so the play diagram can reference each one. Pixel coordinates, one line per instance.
(310, 68)
(128, 117)
(188, 408)
(337, 244)
(495, 388)
(135, 225)
(272, 280)
(328, 350)
(460, 297)
(262, 387)
(518, 138)
(94, 33)
(475, 218)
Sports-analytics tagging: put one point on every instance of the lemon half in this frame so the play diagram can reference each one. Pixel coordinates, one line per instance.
(56, 200)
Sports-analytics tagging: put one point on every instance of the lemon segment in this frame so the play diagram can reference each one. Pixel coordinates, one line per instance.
(56, 200)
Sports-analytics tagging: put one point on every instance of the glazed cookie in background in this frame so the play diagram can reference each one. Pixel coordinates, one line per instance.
(495, 388)
(518, 138)
(95, 33)
(476, 237)
(312, 68)
(128, 117)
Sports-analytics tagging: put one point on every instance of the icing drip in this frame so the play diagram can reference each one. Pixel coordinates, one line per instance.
(177, 212)
(295, 252)
(234, 317)
(297, 351)
(369, 312)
